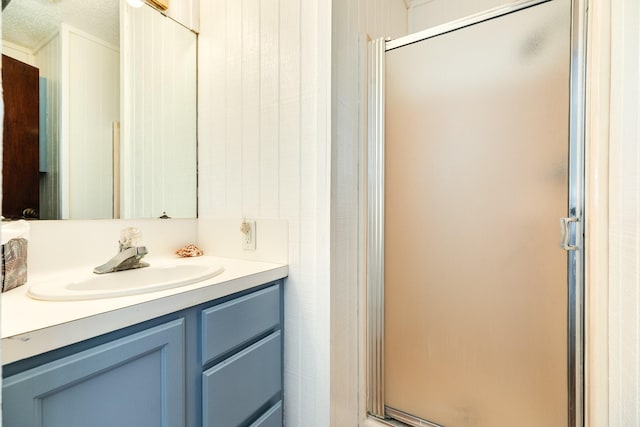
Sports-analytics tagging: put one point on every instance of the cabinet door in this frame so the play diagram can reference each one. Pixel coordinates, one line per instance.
(239, 388)
(135, 381)
(21, 149)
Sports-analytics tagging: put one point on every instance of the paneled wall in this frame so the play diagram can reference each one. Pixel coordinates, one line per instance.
(90, 72)
(159, 110)
(624, 217)
(354, 23)
(264, 152)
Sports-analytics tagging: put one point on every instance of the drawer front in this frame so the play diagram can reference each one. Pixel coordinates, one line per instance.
(234, 389)
(271, 418)
(228, 326)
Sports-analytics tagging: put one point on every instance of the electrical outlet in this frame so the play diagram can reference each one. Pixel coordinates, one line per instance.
(248, 235)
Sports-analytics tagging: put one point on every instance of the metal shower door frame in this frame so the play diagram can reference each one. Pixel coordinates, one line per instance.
(575, 207)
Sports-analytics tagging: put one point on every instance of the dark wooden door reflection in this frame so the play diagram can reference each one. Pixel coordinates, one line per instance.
(20, 138)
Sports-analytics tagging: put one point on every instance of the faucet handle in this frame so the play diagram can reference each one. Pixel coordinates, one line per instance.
(130, 237)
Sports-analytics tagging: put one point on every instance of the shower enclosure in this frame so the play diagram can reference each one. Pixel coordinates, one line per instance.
(475, 158)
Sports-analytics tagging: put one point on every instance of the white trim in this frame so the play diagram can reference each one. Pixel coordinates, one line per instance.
(20, 48)
(12, 50)
(461, 23)
(375, 228)
(615, 114)
(65, 129)
(126, 112)
(91, 37)
(363, 47)
(597, 225)
(115, 155)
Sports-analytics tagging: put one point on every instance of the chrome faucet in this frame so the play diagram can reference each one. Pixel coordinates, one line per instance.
(130, 254)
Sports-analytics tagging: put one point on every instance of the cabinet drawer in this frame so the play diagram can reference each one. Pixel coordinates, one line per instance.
(271, 418)
(228, 326)
(237, 387)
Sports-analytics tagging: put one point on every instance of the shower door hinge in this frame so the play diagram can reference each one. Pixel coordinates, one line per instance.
(565, 232)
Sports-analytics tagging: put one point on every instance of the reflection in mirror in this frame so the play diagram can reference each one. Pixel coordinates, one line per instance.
(74, 44)
(159, 100)
(96, 161)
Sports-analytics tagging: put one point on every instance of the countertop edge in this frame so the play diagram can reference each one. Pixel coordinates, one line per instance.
(39, 341)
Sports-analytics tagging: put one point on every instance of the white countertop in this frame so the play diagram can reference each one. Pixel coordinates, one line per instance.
(30, 327)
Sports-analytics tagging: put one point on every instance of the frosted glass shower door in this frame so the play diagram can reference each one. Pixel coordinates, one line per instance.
(476, 180)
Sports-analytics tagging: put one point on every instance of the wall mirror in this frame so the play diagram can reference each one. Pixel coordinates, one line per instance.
(116, 104)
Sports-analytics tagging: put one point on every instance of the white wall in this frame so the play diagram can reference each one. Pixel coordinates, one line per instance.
(624, 216)
(597, 220)
(354, 22)
(264, 152)
(613, 242)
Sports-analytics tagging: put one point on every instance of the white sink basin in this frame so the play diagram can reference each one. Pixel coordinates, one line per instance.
(128, 282)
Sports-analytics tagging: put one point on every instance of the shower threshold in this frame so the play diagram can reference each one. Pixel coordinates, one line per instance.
(408, 419)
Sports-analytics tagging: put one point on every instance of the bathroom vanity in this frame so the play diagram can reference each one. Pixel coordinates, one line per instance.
(213, 358)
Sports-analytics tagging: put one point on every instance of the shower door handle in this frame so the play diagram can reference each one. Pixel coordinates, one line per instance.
(566, 233)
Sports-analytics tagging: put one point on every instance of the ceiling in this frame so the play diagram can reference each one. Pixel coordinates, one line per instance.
(30, 23)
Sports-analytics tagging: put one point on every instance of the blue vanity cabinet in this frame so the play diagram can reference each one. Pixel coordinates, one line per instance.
(217, 364)
(137, 381)
(242, 357)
